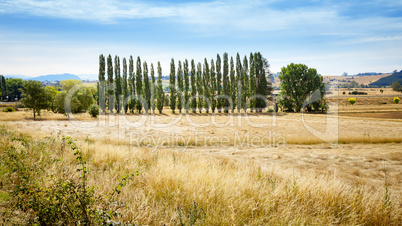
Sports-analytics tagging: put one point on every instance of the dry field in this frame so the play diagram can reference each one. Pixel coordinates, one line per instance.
(240, 169)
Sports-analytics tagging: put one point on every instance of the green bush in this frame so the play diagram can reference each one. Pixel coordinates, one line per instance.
(352, 101)
(396, 100)
(93, 110)
(8, 109)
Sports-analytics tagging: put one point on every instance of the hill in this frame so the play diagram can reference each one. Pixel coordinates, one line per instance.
(387, 81)
(49, 78)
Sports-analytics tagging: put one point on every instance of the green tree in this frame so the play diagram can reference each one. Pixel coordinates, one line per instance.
(239, 76)
(252, 88)
(199, 87)
(180, 87)
(245, 84)
(206, 84)
(131, 81)
(35, 97)
(110, 89)
(139, 85)
(233, 85)
(2, 87)
(160, 94)
(218, 83)
(213, 87)
(396, 86)
(125, 86)
(101, 83)
(80, 100)
(262, 87)
(297, 83)
(193, 87)
(13, 88)
(52, 91)
(172, 87)
(186, 85)
(147, 90)
(153, 90)
(118, 90)
(225, 83)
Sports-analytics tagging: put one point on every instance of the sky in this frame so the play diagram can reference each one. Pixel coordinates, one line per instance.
(39, 37)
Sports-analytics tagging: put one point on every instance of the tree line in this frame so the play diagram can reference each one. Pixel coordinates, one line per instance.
(222, 85)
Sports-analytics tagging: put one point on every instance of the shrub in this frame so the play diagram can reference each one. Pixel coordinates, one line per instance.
(93, 110)
(8, 109)
(396, 100)
(343, 92)
(352, 101)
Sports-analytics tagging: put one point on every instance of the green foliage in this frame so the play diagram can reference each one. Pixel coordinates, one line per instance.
(160, 95)
(93, 110)
(199, 87)
(139, 85)
(117, 85)
(180, 88)
(213, 87)
(206, 81)
(12, 88)
(8, 109)
(245, 83)
(80, 100)
(225, 83)
(218, 83)
(298, 82)
(110, 89)
(35, 97)
(125, 86)
(233, 85)
(193, 87)
(172, 85)
(153, 88)
(239, 83)
(131, 82)
(186, 85)
(396, 86)
(389, 80)
(396, 100)
(252, 89)
(352, 101)
(147, 90)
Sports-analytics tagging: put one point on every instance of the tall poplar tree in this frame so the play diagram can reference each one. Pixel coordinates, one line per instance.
(180, 87)
(146, 92)
(245, 83)
(159, 93)
(199, 87)
(131, 79)
(110, 89)
(239, 72)
(186, 85)
(117, 84)
(233, 84)
(262, 87)
(218, 83)
(101, 83)
(139, 85)
(172, 88)
(207, 85)
(252, 84)
(213, 86)
(225, 83)
(193, 87)
(153, 88)
(125, 87)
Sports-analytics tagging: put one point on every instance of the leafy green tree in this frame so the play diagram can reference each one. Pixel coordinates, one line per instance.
(139, 85)
(153, 90)
(101, 83)
(110, 89)
(80, 100)
(131, 82)
(13, 88)
(262, 87)
(298, 82)
(125, 86)
(2, 87)
(52, 91)
(396, 86)
(219, 101)
(206, 81)
(239, 75)
(35, 97)
(172, 87)
(160, 94)
(180, 87)
(193, 87)
(253, 85)
(186, 85)
(233, 85)
(225, 83)
(199, 87)
(213, 87)
(118, 90)
(93, 110)
(245, 84)
(147, 91)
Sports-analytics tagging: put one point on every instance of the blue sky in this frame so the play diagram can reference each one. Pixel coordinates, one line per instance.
(39, 37)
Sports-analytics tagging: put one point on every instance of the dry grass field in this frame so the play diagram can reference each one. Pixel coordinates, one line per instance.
(232, 169)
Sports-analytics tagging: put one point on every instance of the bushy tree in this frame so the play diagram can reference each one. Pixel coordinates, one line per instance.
(298, 82)
(125, 86)
(139, 84)
(199, 87)
(193, 87)
(206, 81)
(396, 86)
(13, 88)
(131, 82)
(245, 84)
(118, 89)
(146, 92)
(396, 100)
(172, 87)
(80, 100)
(213, 87)
(2, 87)
(225, 83)
(160, 94)
(35, 97)
(239, 85)
(102, 83)
(110, 89)
(186, 85)
(180, 87)
(219, 101)
(93, 110)
(352, 101)
(233, 85)
(252, 88)
(153, 88)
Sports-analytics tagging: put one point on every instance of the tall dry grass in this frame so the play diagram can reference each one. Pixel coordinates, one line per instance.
(225, 191)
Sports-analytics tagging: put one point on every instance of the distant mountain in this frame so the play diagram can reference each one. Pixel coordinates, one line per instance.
(58, 77)
(387, 81)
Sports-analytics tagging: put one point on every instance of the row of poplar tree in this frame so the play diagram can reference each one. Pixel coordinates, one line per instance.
(210, 86)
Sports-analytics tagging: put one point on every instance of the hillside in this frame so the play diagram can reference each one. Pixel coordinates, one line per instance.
(49, 78)
(387, 81)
